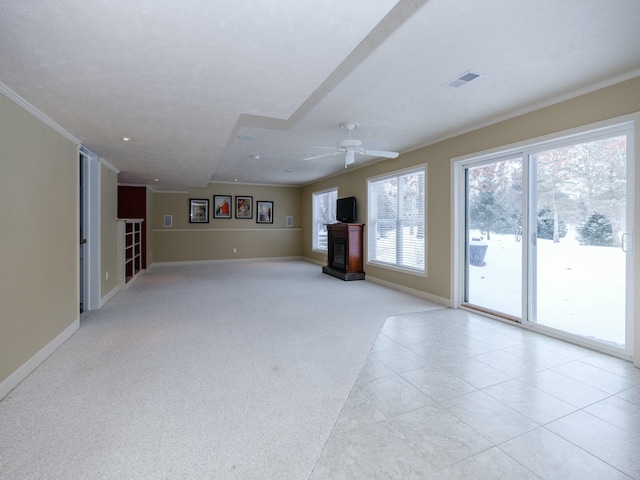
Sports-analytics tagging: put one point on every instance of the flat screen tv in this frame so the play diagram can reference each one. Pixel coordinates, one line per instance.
(346, 210)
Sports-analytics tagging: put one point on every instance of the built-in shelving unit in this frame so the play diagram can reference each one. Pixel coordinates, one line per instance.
(131, 247)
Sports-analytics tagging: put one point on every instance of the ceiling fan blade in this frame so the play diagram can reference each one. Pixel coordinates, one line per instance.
(329, 148)
(323, 155)
(380, 153)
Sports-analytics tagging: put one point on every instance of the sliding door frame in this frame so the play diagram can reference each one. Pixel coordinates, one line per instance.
(629, 124)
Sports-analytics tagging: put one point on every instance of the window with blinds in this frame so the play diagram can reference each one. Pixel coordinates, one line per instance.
(396, 227)
(324, 212)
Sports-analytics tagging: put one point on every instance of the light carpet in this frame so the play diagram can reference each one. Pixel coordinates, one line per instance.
(222, 371)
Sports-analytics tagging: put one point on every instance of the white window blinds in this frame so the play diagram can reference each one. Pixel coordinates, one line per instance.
(396, 223)
(324, 212)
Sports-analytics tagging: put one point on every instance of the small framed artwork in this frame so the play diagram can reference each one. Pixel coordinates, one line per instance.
(198, 210)
(264, 212)
(244, 206)
(222, 206)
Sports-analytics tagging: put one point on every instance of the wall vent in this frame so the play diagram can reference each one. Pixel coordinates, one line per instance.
(463, 79)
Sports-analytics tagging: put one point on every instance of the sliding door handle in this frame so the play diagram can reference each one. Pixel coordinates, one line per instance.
(627, 242)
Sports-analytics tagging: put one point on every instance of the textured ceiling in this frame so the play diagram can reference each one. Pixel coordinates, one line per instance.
(185, 79)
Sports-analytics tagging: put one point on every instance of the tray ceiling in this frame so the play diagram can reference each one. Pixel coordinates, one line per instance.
(243, 91)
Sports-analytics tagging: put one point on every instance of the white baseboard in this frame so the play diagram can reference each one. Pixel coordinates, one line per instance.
(226, 260)
(411, 291)
(30, 365)
(394, 286)
(135, 277)
(109, 296)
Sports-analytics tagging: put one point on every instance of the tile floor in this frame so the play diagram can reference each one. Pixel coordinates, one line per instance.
(448, 394)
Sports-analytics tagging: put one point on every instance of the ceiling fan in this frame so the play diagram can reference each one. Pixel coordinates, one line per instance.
(350, 146)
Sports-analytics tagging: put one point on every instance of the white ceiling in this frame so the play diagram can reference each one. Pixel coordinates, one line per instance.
(185, 79)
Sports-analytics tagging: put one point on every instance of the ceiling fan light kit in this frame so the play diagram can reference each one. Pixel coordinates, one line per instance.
(349, 158)
(350, 146)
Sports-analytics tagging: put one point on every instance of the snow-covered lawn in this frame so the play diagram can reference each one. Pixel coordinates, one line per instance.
(413, 247)
(580, 289)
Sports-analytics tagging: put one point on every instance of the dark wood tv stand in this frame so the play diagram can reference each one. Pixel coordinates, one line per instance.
(344, 251)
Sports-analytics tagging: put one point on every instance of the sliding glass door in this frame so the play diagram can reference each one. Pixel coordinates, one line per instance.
(494, 236)
(579, 259)
(547, 236)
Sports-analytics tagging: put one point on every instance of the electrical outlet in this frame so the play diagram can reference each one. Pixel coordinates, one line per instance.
(106, 275)
(235, 250)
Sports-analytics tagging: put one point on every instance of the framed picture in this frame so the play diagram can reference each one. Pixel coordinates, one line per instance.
(222, 206)
(244, 206)
(265, 212)
(198, 210)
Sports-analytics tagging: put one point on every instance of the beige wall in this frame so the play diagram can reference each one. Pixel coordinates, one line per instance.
(108, 230)
(39, 236)
(39, 288)
(215, 240)
(611, 102)
(607, 103)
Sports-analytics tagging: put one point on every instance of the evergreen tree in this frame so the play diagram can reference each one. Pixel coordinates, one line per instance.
(547, 223)
(597, 230)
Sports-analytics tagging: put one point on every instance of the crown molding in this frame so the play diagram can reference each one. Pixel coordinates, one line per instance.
(14, 97)
(108, 164)
(534, 107)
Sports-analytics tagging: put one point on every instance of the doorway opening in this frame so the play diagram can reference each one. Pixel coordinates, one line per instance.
(89, 222)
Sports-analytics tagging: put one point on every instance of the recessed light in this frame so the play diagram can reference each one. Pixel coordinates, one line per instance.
(257, 157)
(126, 139)
(156, 179)
(246, 137)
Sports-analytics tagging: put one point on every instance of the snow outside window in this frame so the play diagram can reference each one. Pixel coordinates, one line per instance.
(324, 212)
(396, 228)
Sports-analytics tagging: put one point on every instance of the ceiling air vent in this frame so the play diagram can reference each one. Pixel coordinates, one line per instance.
(463, 79)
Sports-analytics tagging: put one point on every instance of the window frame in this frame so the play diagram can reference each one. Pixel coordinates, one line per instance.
(630, 124)
(315, 233)
(371, 222)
